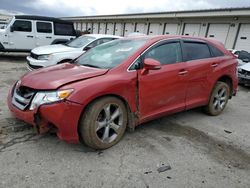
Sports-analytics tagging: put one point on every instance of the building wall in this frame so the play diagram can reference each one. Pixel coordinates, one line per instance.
(232, 30)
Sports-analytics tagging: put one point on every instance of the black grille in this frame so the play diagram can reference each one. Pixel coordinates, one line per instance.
(34, 66)
(34, 56)
(244, 72)
(22, 97)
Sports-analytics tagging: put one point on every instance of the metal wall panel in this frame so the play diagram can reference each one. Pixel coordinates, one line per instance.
(95, 28)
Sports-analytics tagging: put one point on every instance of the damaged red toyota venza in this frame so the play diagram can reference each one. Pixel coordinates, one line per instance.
(124, 83)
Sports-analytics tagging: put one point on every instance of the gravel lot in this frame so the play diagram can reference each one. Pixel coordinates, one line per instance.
(202, 151)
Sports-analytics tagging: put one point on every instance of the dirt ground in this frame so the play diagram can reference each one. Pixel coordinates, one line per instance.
(193, 149)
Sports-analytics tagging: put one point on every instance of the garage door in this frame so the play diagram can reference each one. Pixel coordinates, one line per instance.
(155, 29)
(95, 28)
(110, 29)
(171, 29)
(218, 32)
(142, 28)
(84, 26)
(102, 28)
(129, 28)
(119, 29)
(243, 40)
(192, 30)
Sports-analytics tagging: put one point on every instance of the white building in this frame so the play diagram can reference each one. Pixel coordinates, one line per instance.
(231, 26)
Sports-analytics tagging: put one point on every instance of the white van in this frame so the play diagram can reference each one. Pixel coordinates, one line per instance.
(25, 32)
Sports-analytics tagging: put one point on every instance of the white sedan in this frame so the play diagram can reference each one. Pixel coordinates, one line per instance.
(45, 56)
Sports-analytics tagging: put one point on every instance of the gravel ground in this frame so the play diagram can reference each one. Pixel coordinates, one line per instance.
(188, 149)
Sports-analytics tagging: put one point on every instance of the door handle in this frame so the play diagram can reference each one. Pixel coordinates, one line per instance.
(183, 72)
(214, 65)
(48, 37)
(29, 36)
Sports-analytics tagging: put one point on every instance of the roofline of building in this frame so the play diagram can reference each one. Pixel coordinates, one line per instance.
(239, 11)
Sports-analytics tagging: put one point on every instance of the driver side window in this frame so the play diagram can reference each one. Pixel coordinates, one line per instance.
(166, 53)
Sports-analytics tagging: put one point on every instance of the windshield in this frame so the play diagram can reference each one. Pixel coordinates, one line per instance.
(111, 54)
(80, 41)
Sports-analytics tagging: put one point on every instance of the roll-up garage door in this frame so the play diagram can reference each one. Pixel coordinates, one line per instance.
(110, 29)
(142, 28)
(84, 26)
(129, 28)
(192, 30)
(119, 29)
(156, 28)
(171, 29)
(243, 40)
(102, 28)
(95, 28)
(218, 32)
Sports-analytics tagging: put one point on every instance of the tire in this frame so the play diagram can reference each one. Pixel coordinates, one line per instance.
(218, 99)
(103, 124)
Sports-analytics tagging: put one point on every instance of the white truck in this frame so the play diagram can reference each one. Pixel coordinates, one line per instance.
(25, 32)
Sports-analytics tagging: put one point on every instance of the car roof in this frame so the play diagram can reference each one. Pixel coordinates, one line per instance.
(41, 18)
(97, 36)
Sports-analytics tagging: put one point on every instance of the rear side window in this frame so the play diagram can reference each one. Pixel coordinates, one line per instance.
(215, 51)
(64, 29)
(44, 27)
(196, 50)
(20, 25)
(166, 54)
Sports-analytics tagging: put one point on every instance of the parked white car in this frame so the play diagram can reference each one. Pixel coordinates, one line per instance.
(45, 56)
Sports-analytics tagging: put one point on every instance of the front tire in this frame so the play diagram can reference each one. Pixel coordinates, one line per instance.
(103, 123)
(218, 99)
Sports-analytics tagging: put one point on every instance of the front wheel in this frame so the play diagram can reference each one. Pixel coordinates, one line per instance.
(103, 123)
(218, 99)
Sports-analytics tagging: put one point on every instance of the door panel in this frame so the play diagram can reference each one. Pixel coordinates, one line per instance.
(119, 29)
(44, 32)
(110, 28)
(102, 28)
(129, 28)
(156, 29)
(171, 29)
(142, 28)
(163, 91)
(23, 38)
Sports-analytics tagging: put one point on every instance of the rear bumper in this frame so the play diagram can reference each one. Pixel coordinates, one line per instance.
(64, 116)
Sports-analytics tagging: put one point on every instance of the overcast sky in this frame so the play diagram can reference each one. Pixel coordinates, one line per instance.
(101, 7)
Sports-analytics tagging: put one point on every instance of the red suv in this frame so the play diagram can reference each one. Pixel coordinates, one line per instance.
(123, 84)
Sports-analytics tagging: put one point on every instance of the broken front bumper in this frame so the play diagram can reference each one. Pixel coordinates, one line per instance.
(64, 116)
(244, 78)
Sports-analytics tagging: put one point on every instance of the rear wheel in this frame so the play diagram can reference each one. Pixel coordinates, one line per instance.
(103, 123)
(218, 99)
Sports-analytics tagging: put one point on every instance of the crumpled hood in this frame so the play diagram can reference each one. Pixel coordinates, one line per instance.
(55, 76)
(55, 48)
(245, 67)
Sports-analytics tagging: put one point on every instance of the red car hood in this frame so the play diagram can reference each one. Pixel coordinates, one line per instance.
(56, 76)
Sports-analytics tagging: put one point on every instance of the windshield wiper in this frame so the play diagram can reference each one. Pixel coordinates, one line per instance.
(90, 65)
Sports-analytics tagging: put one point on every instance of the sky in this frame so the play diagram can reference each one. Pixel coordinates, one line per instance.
(63, 8)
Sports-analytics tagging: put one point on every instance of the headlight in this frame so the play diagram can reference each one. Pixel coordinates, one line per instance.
(44, 57)
(239, 70)
(49, 97)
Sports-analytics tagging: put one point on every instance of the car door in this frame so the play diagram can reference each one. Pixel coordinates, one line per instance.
(163, 91)
(44, 32)
(22, 36)
(200, 66)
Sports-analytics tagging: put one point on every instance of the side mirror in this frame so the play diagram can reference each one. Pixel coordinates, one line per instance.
(87, 48)
(150, 64)
(12, 29)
